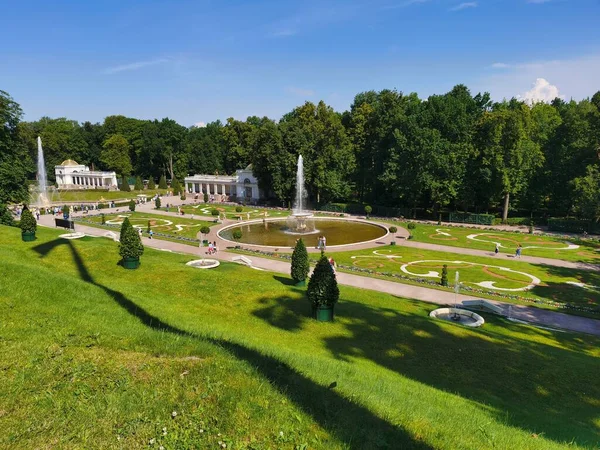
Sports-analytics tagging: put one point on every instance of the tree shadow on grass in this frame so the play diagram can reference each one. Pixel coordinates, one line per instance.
(354, 425)
(286, 313)
(284, 280)
(530, 385)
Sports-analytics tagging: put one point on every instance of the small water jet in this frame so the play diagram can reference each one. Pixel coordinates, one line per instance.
(457, 315)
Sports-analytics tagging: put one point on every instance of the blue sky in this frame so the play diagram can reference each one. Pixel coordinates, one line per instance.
(198, 61)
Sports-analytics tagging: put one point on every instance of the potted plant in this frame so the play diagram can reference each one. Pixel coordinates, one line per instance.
(130, 246)
(66, 212)
(28, 225)
(323, 292)
(368, 210)
(393, 230)
(300, 264)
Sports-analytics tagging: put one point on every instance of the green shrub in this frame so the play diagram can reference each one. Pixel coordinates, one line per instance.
(322, 287)
(237, 234)
(368, 210)
(103, 219)
(131, 206)
(28, 223)
(239, 209)
(130, 244)
(6, 217)
(176, 186)
(204, 229)
(444, 281)
(214, 212)
(66, 211)
(411, 225)
(139, 186)
(393, 230)
(205, 197)
(162, 182)
(157, 203)
(148, 228)
(124, 185)
(182, 196)
(571, 225)
(481, 219)
(300, 265)
(151, 184)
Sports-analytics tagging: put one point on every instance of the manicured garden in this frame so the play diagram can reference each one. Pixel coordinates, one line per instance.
(499, 278)
(533, 244)
(163, 227)
(233, 212)
(98, 195)
(166, 355)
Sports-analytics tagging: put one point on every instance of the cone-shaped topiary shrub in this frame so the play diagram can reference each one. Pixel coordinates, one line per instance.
(151, 183)
(130, 244)
(28, 223)
(205, 197)
(300, 265)
(157, 203)
(124, 185)
(322, 287)
(176, 186)
(139, 186)
(6, 217)
(66, 211)
(162, 183)
(131, 205)
(444, 280)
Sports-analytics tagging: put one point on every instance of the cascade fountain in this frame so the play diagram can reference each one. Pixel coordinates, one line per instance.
(299, 221)
(40, 197)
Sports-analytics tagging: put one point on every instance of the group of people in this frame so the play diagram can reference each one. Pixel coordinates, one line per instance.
(517, 251)
(322, 243)
(212, 247)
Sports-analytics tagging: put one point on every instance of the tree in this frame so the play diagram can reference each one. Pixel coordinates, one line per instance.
(27, 223)
(151, 184)
(300, 265)
(162, 183)
(368, 210)
(587, 194)
(176, 186)
(14, 159)
(322, 287)
(115, 155)
(157, 203)
(139, 186)
(130, 244)
(6, 217)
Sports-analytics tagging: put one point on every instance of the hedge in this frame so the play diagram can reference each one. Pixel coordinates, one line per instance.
(572, 225)
(481, 219)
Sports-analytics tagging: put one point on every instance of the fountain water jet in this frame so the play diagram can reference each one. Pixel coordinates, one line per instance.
(299, 221)
(40, 196)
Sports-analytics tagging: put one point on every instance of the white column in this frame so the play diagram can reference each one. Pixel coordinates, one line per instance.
(215, 188)
(200, 187)
(223, 189)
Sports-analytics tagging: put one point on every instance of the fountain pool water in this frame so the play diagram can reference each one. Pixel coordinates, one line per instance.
(457, 315)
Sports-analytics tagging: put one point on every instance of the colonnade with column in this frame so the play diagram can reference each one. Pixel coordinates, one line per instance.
(85, 180)
(208, 188)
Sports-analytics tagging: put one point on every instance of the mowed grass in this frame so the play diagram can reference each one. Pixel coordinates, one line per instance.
(96, 356)
(85, 195)
(172, 226)
(588, 251)
(247, 213)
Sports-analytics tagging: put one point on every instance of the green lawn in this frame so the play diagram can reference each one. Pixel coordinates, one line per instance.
(163, 226)
(588, 251)
(248, 212)
(507, 274)
(95, 356)
(95, 196)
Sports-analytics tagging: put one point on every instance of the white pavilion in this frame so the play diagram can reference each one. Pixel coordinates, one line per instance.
(241, 186)
(72, 175)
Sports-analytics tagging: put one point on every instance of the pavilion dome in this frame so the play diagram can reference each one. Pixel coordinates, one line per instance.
(69, 162)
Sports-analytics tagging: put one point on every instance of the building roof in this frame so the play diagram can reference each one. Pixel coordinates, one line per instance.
(69, 162)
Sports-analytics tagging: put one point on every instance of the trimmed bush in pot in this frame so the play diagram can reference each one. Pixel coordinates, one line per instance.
(300, 265)
(28, 225)
(130, 246)
(323, 292)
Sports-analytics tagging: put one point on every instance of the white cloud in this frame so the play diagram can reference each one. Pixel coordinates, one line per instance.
(464, 5)
(301, 92)
(200, 124)
(499, 65)
(577, 77)
(542, 91)
(134, 66)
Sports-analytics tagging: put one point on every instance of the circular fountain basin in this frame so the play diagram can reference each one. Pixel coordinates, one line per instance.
(457, 315)
(276, 232)
(77, 235)
(203, 263)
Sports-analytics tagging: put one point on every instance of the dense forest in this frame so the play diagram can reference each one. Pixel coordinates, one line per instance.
(455, 151)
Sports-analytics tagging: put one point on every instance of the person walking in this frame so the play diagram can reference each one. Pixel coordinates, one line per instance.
(210, 248)
(324, 243)
(518, 252)
(215, 247)
(497, 249)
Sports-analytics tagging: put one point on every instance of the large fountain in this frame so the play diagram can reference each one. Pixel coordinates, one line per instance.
(40, 192)
(299, 222)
